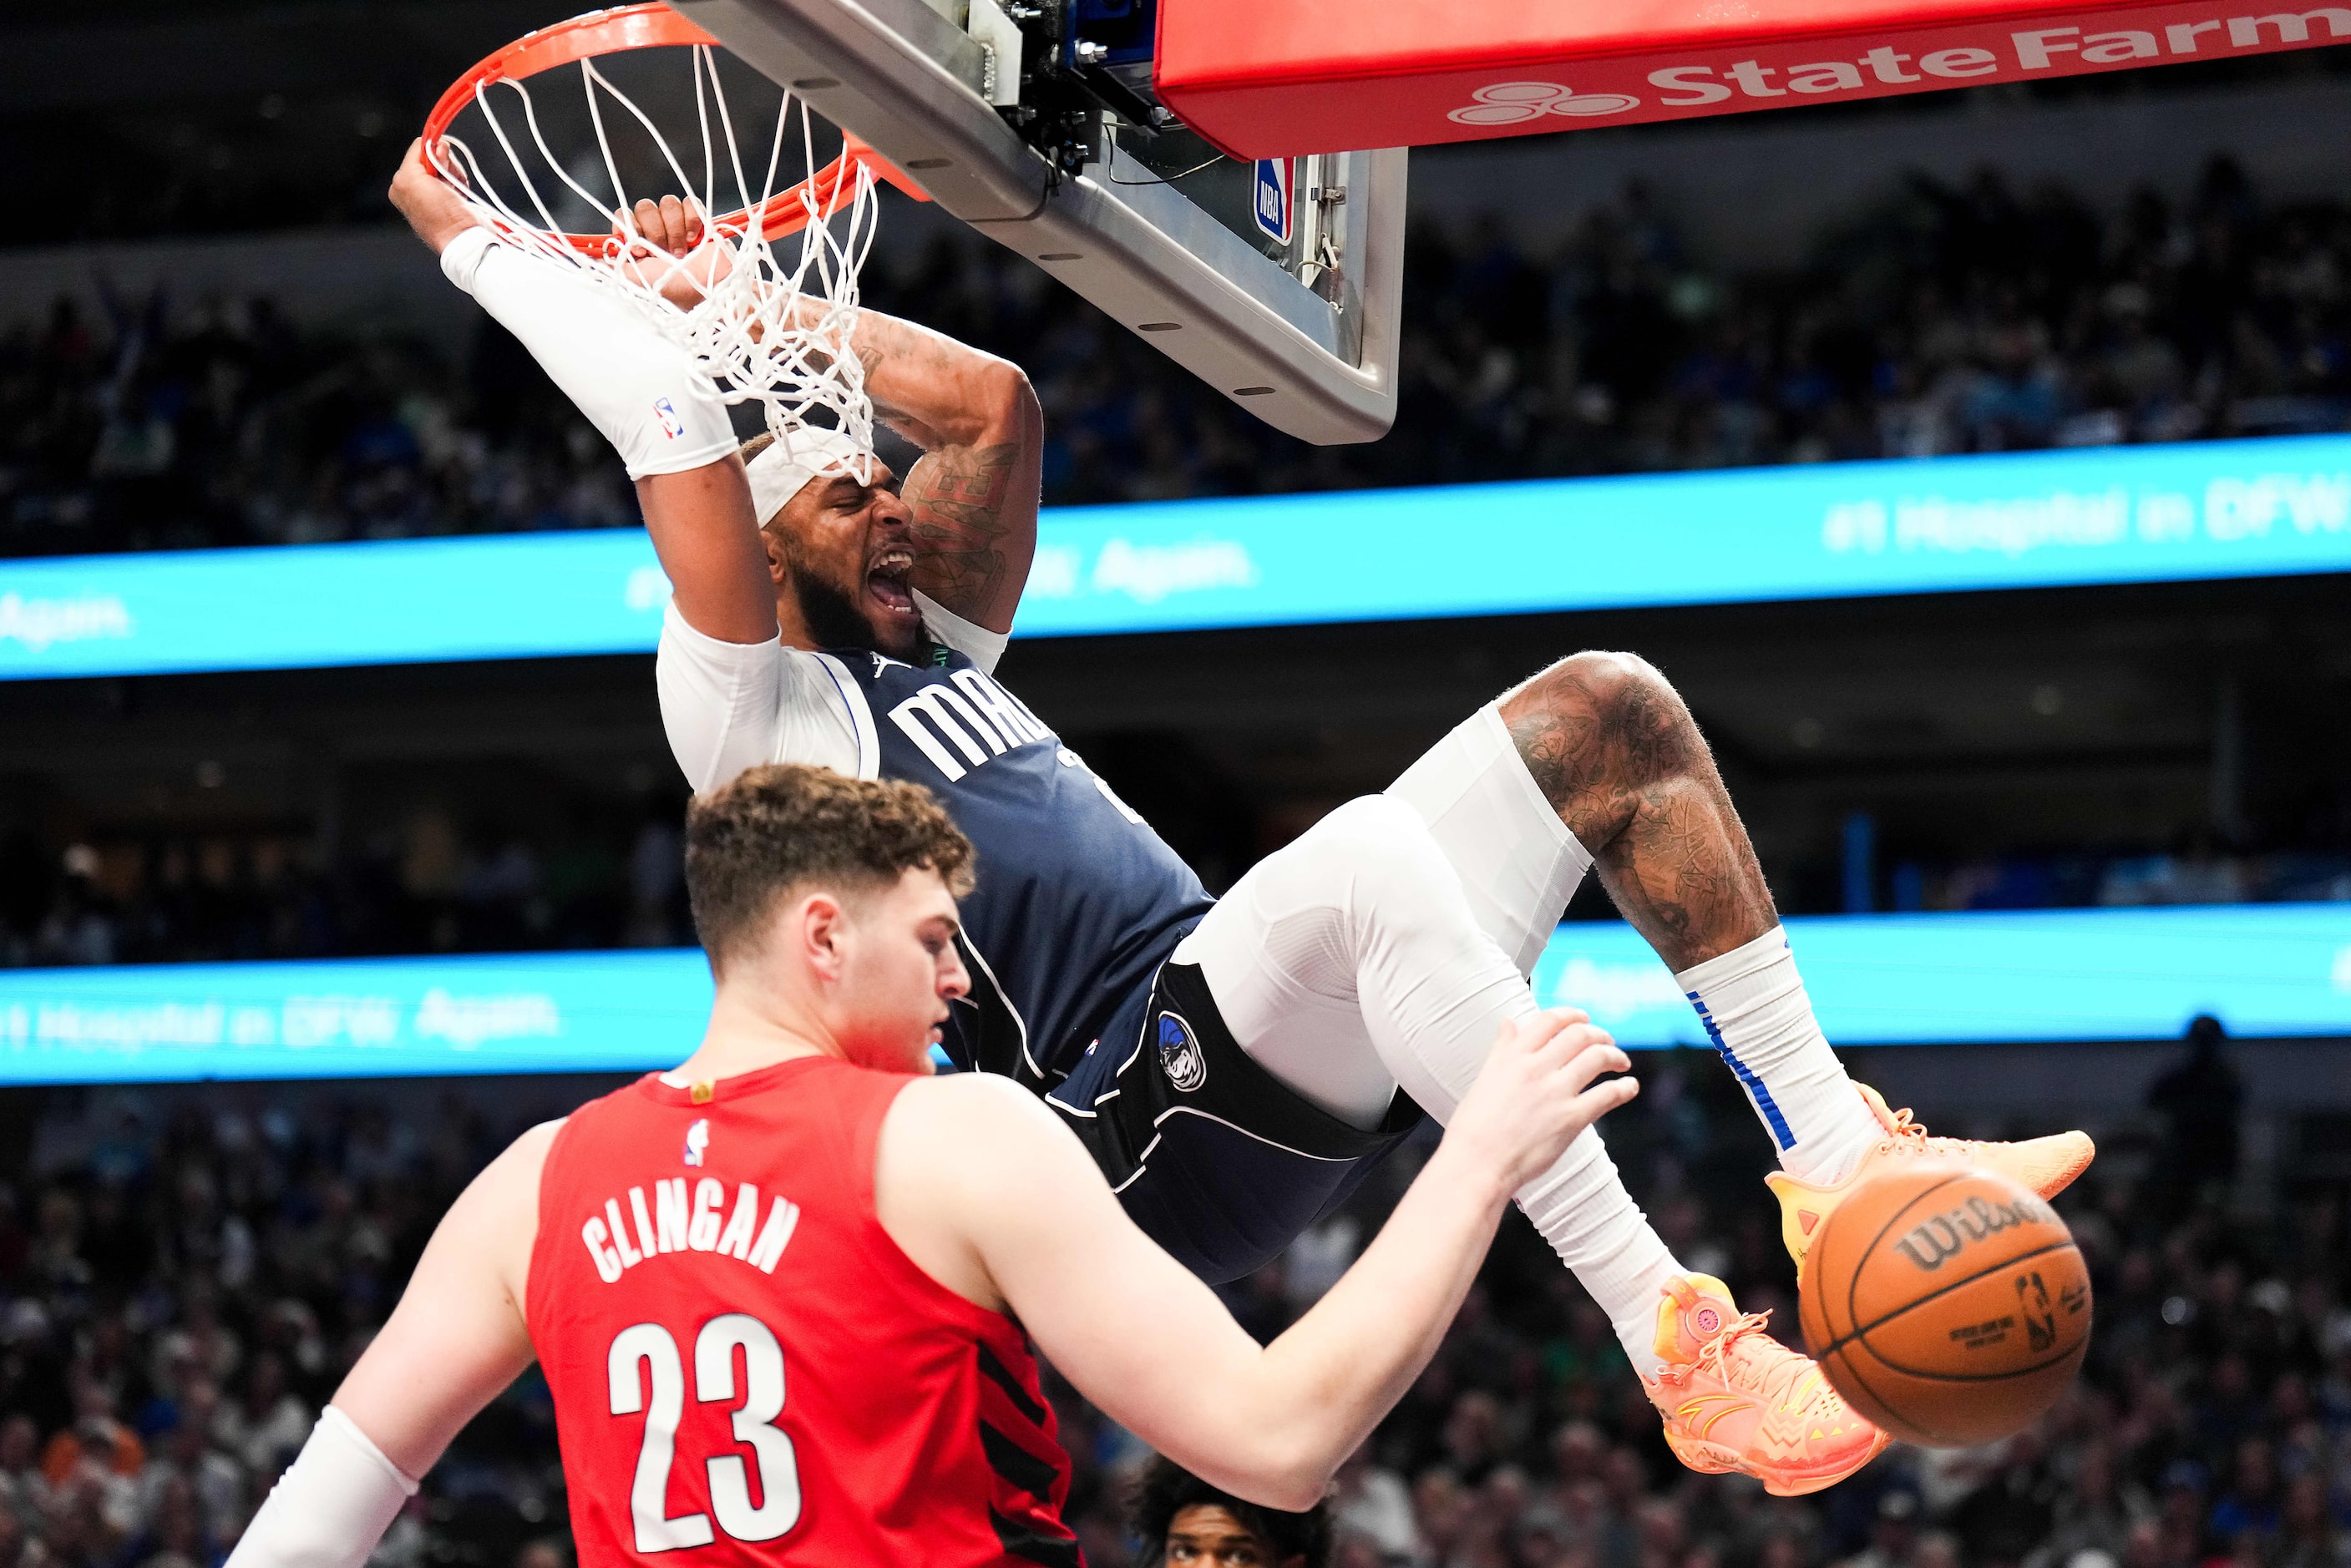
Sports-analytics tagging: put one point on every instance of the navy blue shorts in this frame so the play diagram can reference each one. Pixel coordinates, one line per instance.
(1217, 1160)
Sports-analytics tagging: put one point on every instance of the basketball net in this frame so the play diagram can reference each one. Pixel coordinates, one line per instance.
(759, 325)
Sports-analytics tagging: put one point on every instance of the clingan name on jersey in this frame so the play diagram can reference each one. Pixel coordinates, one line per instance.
(962, 725)
(676, 1222)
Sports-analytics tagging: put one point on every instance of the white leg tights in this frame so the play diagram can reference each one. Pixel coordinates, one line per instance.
(1351, 962)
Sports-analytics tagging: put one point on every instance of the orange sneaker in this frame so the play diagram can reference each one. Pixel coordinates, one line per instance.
(1734, 1398)
(2046, 1165)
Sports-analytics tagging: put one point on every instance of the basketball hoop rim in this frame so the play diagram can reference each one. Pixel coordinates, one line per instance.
(648, 26)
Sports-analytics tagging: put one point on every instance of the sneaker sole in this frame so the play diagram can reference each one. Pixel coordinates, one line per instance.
(1714, 1459)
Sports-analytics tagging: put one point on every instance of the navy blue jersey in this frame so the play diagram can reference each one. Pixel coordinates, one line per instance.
(1075, 902)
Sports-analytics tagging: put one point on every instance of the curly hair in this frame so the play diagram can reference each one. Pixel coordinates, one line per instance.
(784, 825)
(1166, 1490)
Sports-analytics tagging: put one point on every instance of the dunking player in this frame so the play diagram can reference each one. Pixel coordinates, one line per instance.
(1234, 1065)
(836, 1258)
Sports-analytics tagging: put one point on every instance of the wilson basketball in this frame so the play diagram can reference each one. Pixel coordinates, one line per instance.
(1946, 1303)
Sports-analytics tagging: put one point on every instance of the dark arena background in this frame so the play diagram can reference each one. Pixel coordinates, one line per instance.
(1869, 425)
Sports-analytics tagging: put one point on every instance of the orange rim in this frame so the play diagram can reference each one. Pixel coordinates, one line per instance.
(651, 27)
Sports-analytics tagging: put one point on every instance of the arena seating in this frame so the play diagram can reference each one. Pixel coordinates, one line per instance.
(1950, 319)
(185, 1274)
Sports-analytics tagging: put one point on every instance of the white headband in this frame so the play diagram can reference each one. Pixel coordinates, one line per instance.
(801, 453)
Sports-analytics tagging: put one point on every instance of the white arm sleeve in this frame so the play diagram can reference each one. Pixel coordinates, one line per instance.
(976, 643)
(331, 1507)
(632, 384)
(727, 706)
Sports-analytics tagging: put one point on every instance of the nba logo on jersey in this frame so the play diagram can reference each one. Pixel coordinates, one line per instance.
(697, 1138)
(1180, 1056)
(672, 426)
(1275, 181)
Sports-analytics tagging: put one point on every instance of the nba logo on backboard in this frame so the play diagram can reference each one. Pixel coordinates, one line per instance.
(1275, 183)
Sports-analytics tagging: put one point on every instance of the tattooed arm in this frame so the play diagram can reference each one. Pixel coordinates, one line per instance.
(973, 491)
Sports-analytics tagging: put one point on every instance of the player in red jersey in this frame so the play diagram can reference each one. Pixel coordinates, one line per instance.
(779, 1293)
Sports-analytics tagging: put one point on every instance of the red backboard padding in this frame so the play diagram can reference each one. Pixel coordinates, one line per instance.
(1267, 79)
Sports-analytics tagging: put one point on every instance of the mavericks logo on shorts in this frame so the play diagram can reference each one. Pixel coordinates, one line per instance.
(1180, 1056)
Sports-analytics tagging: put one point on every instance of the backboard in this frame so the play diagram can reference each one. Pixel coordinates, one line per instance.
(1277, 281)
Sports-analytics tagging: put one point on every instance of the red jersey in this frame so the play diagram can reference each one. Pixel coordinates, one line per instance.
(746, 1369)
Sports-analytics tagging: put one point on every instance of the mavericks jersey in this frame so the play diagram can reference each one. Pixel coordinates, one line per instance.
(1076, 901)
(747, 1371)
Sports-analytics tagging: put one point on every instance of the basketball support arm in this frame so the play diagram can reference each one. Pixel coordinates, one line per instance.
(911, 84)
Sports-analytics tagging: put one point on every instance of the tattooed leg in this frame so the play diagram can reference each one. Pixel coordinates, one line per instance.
(1616, 751)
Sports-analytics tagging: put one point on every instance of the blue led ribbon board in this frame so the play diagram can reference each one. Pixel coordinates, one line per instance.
(2120, 514)
(533, 1013)
(2264, 969)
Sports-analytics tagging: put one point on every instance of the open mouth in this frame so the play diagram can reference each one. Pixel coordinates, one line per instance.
(890, 580)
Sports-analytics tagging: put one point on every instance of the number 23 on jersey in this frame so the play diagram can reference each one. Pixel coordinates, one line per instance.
(648, 1377)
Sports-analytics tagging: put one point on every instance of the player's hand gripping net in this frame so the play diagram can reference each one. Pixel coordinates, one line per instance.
(757, 325)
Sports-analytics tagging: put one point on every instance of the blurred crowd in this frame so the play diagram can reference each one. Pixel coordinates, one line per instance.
(172, 424)
(430, 885)
(182, 1287)
(2078, 881)
(2212, 1425)
(433, 885)
(184, 1274)
(1940, 319)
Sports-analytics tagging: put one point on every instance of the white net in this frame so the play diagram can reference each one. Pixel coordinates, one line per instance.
(760, 327)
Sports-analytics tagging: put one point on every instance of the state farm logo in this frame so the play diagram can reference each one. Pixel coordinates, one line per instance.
(1515, 103)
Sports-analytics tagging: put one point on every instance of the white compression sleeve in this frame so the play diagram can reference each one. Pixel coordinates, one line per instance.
(331, 1507)
(1349, 962)
(632, 383)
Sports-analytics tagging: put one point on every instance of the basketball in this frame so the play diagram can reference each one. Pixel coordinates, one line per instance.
(1946, 1303)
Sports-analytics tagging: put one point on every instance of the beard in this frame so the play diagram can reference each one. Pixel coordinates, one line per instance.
(831, 613)
(833, 617)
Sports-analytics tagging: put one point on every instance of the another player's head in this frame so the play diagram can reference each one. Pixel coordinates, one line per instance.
(826, 906)
(844, 549)
(1182, 1522)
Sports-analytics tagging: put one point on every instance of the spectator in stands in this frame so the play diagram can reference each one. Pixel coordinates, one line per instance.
(1373, 1504)
(2212, 1428)
(1182, 1522)
(2201, 1102)
(1949, 318)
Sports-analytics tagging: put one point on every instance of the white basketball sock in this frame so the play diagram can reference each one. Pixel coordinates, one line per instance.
(1580, 1207)
(1754, 1004)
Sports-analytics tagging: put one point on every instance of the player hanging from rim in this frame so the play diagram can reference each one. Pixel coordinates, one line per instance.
(1234, 1065)
(875, 1248)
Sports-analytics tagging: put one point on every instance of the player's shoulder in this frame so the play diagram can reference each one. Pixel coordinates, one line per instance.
(984, 1101)
(502, 1203)
(978, 1125)
(534, 1142)
(518, 1167)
